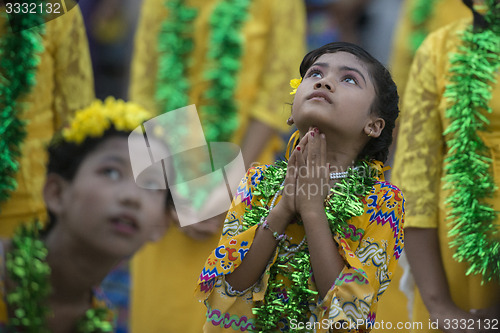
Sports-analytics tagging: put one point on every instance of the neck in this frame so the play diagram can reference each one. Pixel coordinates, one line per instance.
(75, 269)
(340, 161)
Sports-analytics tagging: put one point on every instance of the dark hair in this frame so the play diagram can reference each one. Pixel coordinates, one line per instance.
(65, 158)
(386, 100)
(480, 22)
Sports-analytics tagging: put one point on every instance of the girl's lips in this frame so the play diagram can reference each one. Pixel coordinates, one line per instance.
(125, 224)
(320, 95)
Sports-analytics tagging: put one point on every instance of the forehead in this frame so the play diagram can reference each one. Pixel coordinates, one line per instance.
(342, 59)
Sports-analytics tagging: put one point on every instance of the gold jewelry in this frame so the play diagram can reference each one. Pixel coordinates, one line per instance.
(371, 131)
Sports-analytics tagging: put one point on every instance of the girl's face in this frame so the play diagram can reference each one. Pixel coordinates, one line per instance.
(102, 208)
(336, 95)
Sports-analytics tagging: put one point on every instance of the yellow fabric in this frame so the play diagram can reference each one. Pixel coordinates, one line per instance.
(64, 83)
(445, 12)
(419, 160)
(164, 273)
(393, 307)
(370, 252)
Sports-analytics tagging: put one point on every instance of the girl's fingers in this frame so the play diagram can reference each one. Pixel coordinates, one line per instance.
(291, 171)
(323, 149)
(314, 150)
(302, 144)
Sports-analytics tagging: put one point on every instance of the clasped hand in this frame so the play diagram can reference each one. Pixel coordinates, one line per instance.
(307, 179)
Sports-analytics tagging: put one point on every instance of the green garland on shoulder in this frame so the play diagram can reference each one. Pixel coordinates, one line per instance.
(468, 169)
(343, 203)
(219, 116)
(18, 65)
(420, 13)
(27, 268)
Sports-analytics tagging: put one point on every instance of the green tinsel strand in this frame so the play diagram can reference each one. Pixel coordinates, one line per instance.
(294, 270)
(26, 265)
(175, 43)
(18, 64)
(420, 13)
(224, 56)
(468, 169)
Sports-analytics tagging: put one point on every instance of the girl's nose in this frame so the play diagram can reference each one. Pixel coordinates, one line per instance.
(130, 195)
(322, 83)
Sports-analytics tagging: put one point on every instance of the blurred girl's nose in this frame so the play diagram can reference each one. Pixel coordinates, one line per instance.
(130, 194)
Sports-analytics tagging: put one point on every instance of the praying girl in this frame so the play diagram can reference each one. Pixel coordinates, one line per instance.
(310, 243)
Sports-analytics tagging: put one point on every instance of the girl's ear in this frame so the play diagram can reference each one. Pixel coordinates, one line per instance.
(290, 121)
(374, 127)
(53, 191)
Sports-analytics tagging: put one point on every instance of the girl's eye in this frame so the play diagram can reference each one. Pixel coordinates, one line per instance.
(315, 73)
(153, 184)
(350, 80)
(111, 173)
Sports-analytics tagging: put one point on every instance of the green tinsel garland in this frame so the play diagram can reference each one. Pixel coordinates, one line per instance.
(27, 267)
(468, 170)
(219, 116)
(420, 13)
(224, 56)
(174, 45)
(18, 64)
(343, 203)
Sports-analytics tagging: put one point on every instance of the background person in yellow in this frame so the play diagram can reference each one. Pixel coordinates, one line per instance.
(64, 83)
(439, 145)
(417, 19)
(272, 40)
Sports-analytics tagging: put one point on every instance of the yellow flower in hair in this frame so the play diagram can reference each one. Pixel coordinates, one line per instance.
(94, 120)
(295, 83)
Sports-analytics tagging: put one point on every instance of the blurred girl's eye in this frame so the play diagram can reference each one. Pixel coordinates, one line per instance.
(111, 173)
(350, 80)
(153, 184)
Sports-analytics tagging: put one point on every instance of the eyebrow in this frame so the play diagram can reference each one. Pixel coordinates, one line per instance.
(346, 68)
(113, 158)
(343, 68)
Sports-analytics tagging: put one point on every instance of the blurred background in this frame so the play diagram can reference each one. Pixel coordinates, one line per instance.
(111, 25)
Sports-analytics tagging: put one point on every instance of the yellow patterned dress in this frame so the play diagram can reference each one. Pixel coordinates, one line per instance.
(163, 274)
(419, 162)
(370, 250)
(64, 84)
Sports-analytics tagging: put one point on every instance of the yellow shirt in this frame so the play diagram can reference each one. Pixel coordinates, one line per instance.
(443, 13)
(64, 84)
(273, 34)
(419, 161)
(370, 251)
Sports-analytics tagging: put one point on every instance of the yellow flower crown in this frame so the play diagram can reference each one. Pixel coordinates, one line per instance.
(94, 120)
(295, 83)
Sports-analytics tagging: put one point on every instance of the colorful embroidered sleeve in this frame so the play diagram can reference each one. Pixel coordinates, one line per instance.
(371, 251)
(224, 310)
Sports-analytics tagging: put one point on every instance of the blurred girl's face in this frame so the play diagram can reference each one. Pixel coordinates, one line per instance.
(103, 208)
